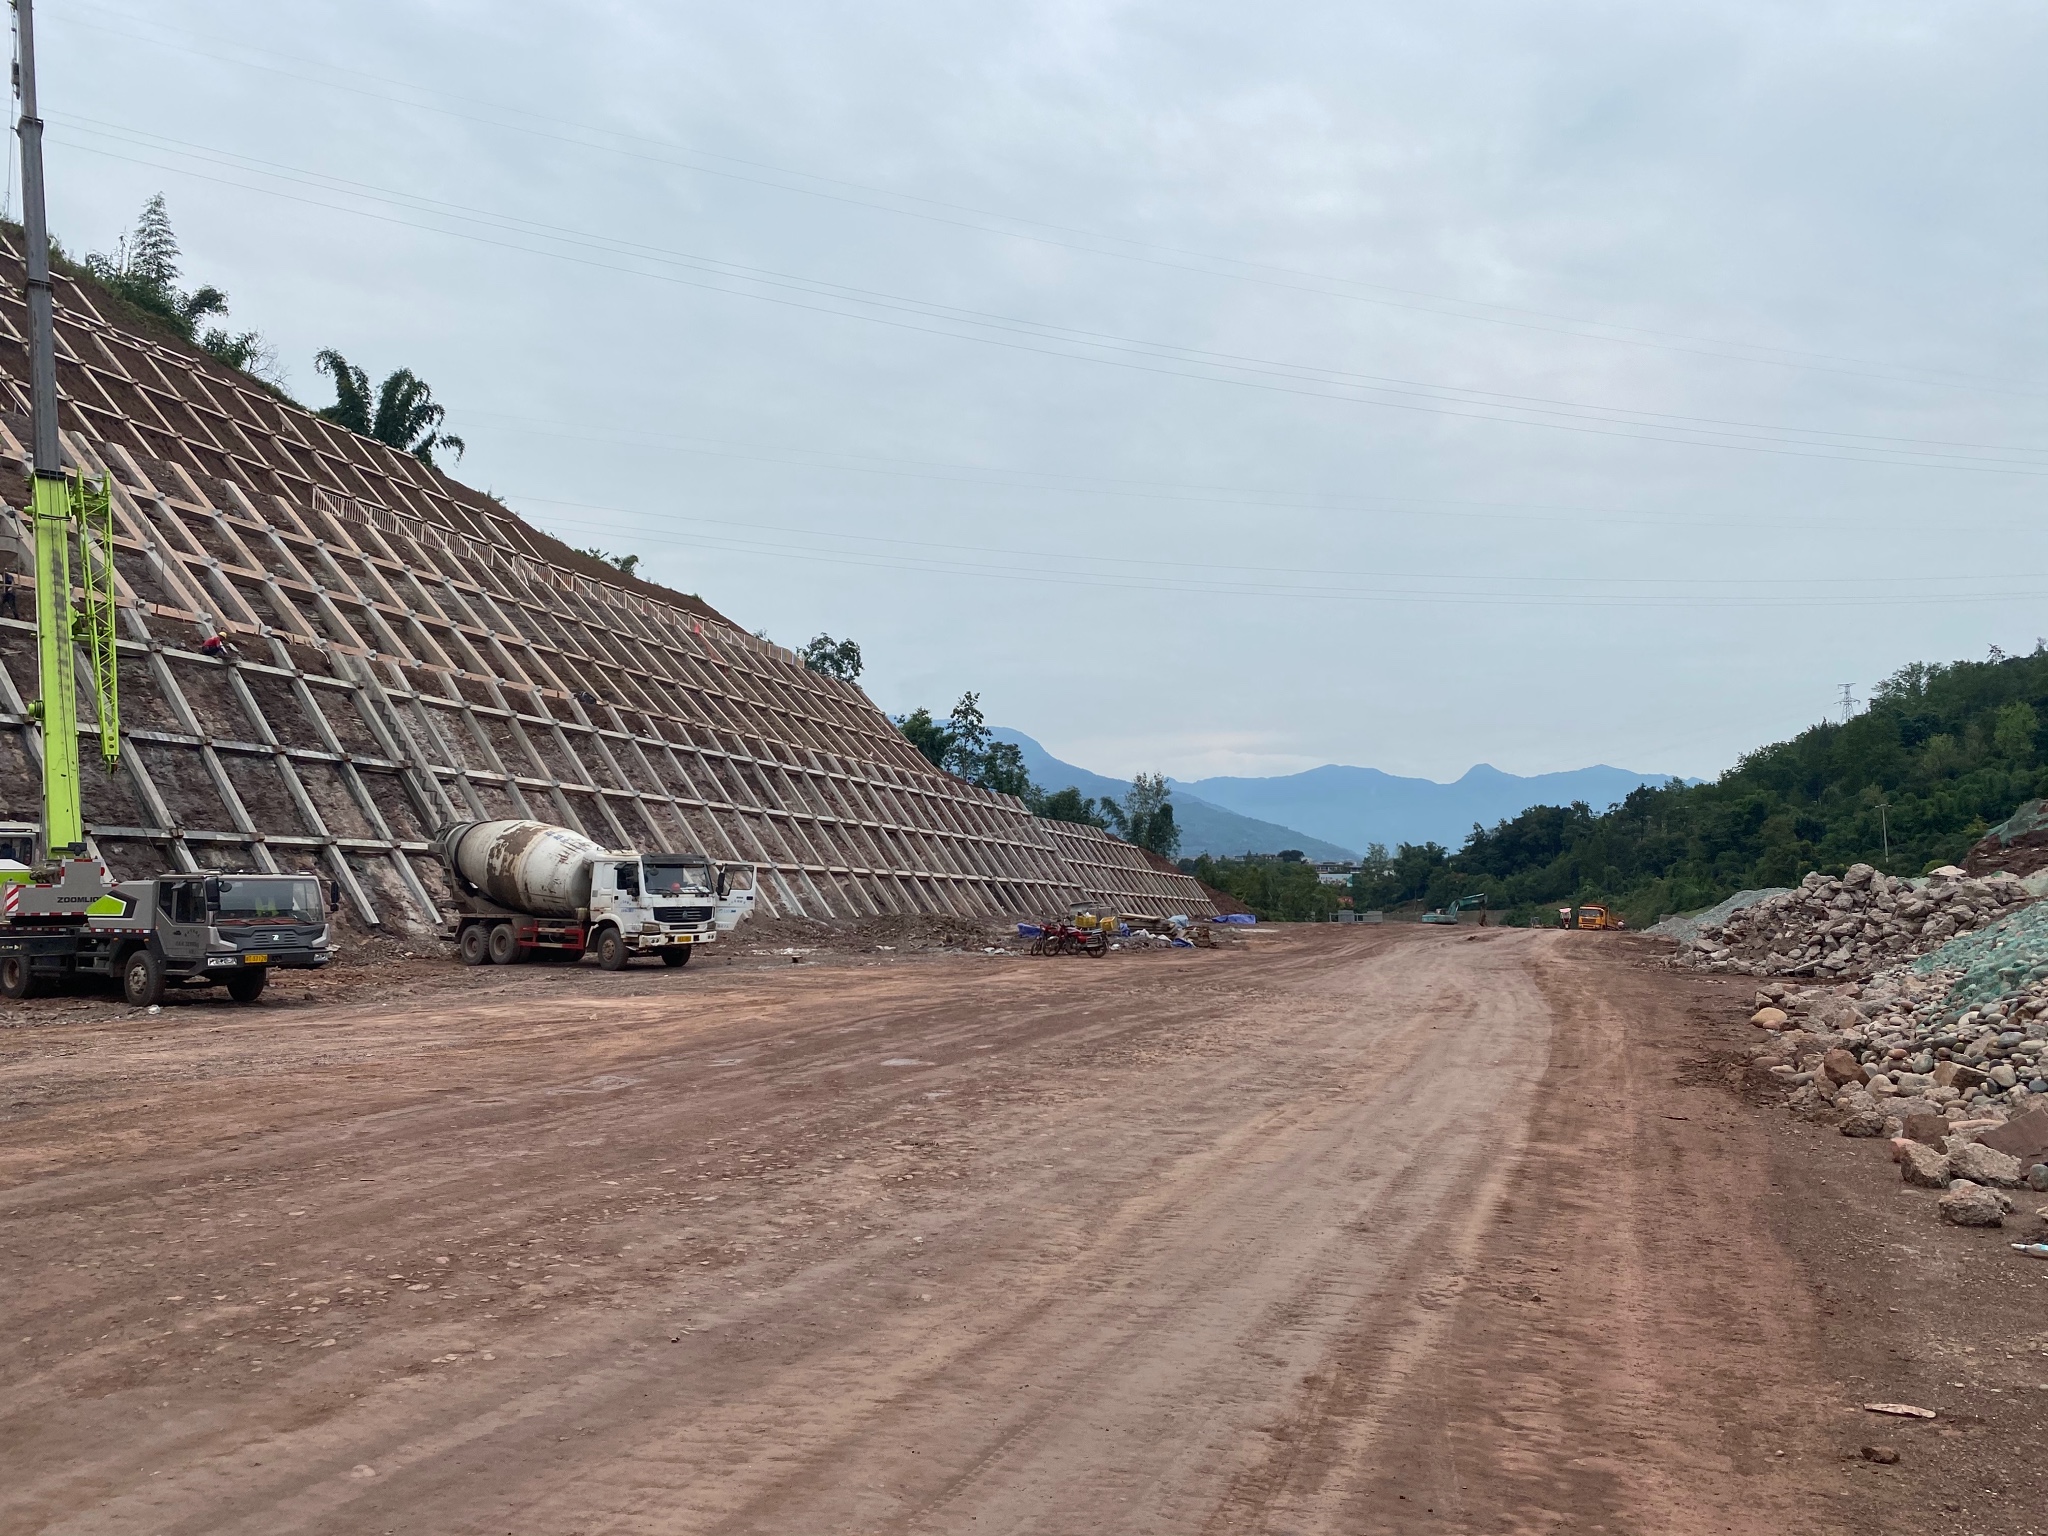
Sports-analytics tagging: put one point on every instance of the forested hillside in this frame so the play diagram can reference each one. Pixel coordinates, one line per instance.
(1942, 754)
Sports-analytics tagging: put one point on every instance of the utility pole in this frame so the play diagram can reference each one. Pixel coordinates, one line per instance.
(1848, 701)
(1884, 829)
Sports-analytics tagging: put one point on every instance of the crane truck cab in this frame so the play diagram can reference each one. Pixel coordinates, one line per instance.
(179, 930)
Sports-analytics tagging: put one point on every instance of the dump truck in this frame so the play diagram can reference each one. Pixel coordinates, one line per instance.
(1590, 916)
(527, 890)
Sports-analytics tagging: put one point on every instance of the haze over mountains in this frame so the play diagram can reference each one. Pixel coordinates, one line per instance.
(1335, 811)
(1204, 828)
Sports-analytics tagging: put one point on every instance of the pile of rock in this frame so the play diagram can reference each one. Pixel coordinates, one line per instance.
(1834, 927)
(1959, 1086)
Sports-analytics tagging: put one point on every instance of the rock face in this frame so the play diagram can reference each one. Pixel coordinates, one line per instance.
(1971, 1205)
(1833, 927)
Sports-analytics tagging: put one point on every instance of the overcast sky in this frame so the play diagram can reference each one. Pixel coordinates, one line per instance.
(1213, 388)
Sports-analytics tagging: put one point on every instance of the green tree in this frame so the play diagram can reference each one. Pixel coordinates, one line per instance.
(1277, 890)
(1146, 815)
(143, 270)
(969, 732)
(833, 658)
(403, 413)
(1068, 804)
(625, 565)
(2012, 732)
(929, 736)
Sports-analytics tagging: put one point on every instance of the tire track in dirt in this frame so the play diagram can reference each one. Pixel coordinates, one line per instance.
(1202, 1242)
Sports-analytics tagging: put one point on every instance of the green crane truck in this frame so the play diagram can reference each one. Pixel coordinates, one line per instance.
(62, 915)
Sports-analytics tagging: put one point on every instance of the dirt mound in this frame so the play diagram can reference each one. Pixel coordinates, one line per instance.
(858, 935)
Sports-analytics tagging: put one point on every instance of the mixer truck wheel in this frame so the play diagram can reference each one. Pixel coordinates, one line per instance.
(246, 985)
(611, 950)
(475, 947)
(676, 954)
(504, 945)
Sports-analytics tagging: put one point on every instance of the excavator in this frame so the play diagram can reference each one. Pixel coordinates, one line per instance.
(1449, 914)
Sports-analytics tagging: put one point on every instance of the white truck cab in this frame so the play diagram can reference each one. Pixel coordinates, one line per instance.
(528, 890)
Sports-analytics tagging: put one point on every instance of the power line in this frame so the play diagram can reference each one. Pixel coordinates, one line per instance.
(1392, 395)
(1010, 564)
(1775, 356)
(1002, 478)
(1174, 351)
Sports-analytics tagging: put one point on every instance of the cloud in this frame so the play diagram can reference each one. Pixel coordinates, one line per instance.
(1045, 349)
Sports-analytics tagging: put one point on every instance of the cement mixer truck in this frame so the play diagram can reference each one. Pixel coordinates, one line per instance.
(526, 890)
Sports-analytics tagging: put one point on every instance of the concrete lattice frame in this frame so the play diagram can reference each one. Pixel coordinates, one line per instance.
(404, 651)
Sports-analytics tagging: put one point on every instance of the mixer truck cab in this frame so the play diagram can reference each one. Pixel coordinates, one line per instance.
(526, 890)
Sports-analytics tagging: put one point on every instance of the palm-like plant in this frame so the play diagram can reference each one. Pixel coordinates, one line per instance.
(403, 414)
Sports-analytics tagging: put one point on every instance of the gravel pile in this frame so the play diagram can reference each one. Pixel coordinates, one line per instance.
(1684, 930)
(1946, 1056)
(1834, 927)
(1995, 962)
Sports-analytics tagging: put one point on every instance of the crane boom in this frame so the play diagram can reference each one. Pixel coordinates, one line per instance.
(58, 503)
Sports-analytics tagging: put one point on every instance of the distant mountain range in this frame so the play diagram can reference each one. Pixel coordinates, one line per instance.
(1332, 812)
(1358, 806)
(1204, 828)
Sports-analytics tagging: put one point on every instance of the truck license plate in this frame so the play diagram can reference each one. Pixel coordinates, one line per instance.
(255, 959)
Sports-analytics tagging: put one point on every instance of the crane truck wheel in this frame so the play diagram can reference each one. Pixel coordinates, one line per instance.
(611, 950)
(676, 954)
(17, 980)
(475, 947)
(142, 979)
(504, 945)
(245, 986)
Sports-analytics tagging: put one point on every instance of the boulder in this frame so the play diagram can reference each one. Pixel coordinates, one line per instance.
(1971, 1205)
(1980, 1164)
(1842, 1067)
(1770, 1018)
(1867, 1119)
(1921, 1165)
(1928, 1130)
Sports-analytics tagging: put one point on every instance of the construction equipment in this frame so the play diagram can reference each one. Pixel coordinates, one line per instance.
(66, 917)
(1591, 916)
(60, 505)
(1449, 914)
(199, 930)
(526, 890)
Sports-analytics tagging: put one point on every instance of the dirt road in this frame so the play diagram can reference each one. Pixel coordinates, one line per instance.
(1337, 1231)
